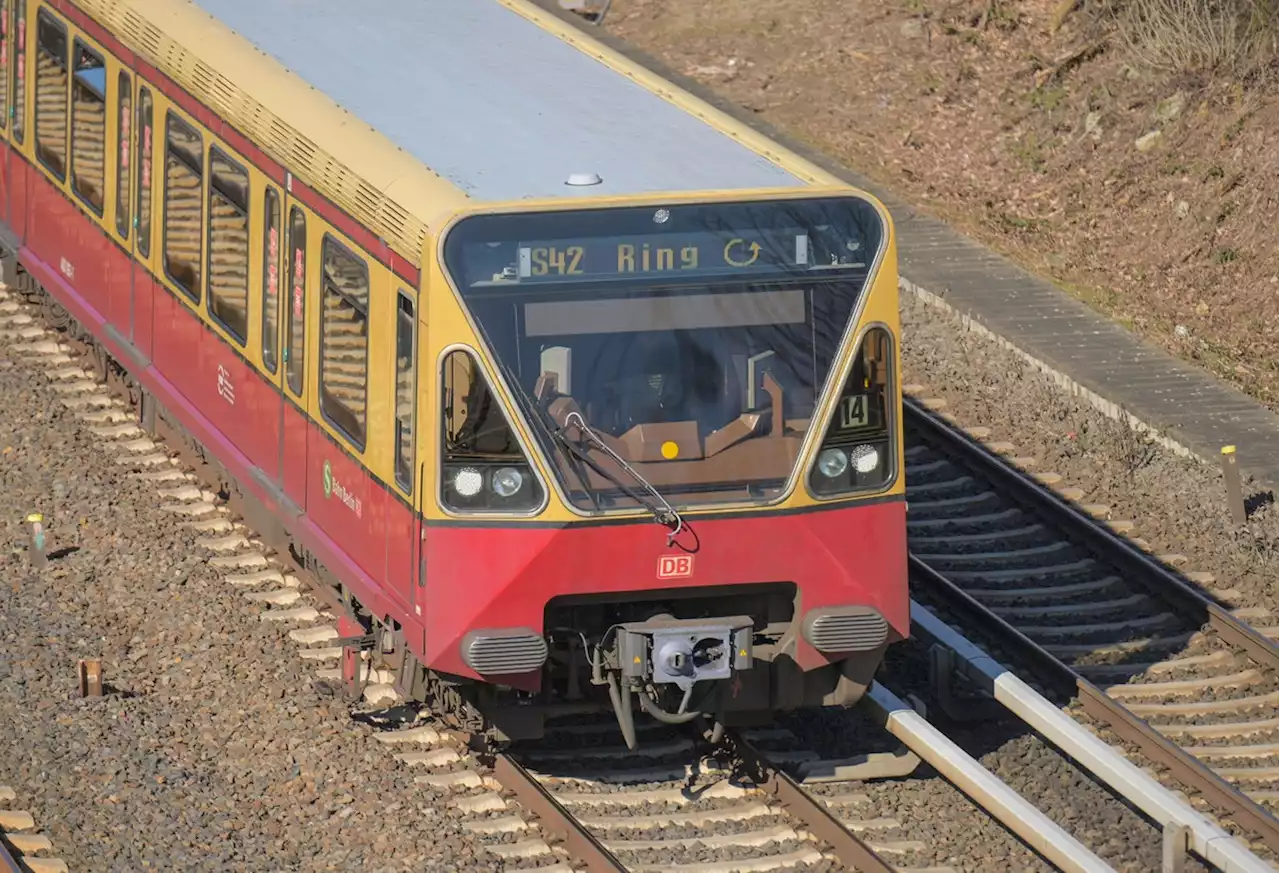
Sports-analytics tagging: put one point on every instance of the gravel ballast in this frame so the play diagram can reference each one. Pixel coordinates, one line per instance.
(214, 748)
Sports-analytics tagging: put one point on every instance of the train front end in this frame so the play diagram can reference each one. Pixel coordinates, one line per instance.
(669, 473)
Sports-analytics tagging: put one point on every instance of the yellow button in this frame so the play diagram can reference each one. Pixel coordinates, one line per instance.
(670, 450)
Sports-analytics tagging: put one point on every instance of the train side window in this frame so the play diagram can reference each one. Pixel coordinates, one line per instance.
(270, 277)
(183, 212)
(51, 94)
(146, 146)
(295, 350)
(4, 63)
(89, 128)
(344, 339)
(229, 243)
(124, 134)
(18, 110)
(406, 329)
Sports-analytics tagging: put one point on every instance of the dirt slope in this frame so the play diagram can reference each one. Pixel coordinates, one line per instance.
(1152, 196)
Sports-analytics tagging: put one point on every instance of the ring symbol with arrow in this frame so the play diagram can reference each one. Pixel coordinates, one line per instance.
(754, 249)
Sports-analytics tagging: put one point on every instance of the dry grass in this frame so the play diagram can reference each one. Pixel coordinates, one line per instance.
(1234, 38)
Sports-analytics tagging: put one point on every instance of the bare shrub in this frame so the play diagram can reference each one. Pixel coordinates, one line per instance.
(1232, 37)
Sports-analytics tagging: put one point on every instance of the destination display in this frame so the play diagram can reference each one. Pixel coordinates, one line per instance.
(669, 248)
(535, 261)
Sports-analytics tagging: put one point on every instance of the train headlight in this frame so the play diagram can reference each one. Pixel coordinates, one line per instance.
(506, 482)
(833, 462)
(865, 458)
(468, 482)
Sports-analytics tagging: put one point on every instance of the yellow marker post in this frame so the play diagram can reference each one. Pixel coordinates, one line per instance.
(35, 549)
(1231, 478)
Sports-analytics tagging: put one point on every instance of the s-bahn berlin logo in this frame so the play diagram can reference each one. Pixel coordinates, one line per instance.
(332, 486)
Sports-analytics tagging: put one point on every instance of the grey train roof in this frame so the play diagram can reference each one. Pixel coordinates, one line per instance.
(490, 101)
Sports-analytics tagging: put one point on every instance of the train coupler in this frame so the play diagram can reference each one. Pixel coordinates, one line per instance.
(675, 667)
(682, 652)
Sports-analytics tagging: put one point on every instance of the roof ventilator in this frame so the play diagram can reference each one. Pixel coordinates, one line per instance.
(583, 180)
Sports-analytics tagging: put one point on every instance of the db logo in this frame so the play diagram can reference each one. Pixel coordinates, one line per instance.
(675, 566)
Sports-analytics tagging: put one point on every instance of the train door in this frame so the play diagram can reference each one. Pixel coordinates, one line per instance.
(6, 53)
(272, 465)
(137, 320)
(14, 48)
(424, 376)
(293, 372)
(119, 277)
(405, 537)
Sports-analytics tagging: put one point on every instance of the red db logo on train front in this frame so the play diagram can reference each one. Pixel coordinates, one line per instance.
(675, 566)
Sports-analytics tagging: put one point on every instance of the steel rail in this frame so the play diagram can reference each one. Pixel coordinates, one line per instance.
(552, 816)
(1045, 836)
(1073, 523)
(8, 863)
(1136, 566)
(801, 805)
(1013, 811)
(1108, 765)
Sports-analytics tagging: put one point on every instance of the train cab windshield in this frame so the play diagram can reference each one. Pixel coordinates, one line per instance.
(683, 348)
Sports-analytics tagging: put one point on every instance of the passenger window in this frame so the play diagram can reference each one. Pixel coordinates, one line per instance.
(406, 328)
(124, 135)
(145, 148)
(270, 278)
(51, 95)
(183, 212)
(89, 128)
(19, 78)
(295, 351)
(229, 243)
(4, 63)
(344, 340)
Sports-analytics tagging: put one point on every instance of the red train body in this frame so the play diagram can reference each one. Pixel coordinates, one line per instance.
(435, 577)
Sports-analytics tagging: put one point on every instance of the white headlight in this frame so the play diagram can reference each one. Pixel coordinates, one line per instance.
(468, 481)
(506, 481)
(865, 458)
(832, 462)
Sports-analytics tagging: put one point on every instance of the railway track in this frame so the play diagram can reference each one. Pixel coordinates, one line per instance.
(555, 809)
(579, 801)
(1187, 685)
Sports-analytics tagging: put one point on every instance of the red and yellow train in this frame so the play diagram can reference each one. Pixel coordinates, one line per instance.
(579, 393)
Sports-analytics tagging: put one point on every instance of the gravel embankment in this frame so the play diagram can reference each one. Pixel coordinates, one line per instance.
(214, 750)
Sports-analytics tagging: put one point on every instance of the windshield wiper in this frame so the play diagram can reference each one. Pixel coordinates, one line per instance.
(538, 417)
(663, 512)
